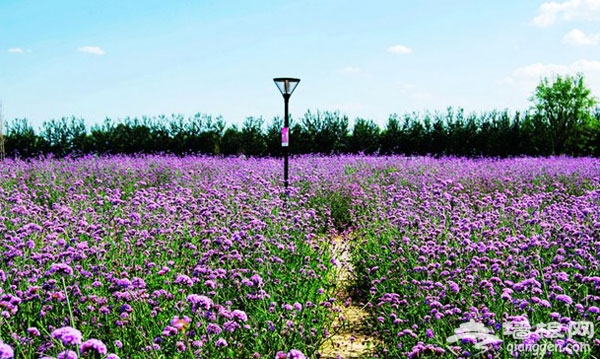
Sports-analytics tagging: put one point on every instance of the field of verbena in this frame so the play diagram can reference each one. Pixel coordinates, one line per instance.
(509, 244)
(159, 257)
(164, 257)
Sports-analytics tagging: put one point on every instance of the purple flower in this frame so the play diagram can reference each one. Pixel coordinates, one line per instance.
(468, 340)
(564, 298)
(33, 331)
(123, 283)
(60, 268)
(453, 286)
(239, 315)
(257, 280)
(68, 335)
(231, 326)
(93, 345)
(531, 339)
(544, 303)
(112, 356)
(67, 354)
(296, 354)
(221, 343)
(6, 351)
(429, 333)
(170, 331)
(213, 328)
(184, 279)
(200, 301)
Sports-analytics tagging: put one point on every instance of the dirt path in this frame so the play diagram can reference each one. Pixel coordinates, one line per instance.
(351, 337)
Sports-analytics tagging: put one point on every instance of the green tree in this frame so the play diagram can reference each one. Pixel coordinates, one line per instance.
(365, 137)
(326, 132)
(273, 137)
(253, 138)
(206, 134)
(565, 105)
(231, 143)
(22, 141)
(101, 137)
(391, 136)
(67, 136)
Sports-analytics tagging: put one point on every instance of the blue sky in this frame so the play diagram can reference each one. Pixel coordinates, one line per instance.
(118, 58)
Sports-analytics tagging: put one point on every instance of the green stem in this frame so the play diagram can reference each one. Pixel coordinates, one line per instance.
(68, 304)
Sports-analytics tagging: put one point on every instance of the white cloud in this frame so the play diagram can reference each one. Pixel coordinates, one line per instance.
(351, 69)
(571, 10)
(399, 49)
(526, 78)
(577, 37)
(94, 50)
(16, 50)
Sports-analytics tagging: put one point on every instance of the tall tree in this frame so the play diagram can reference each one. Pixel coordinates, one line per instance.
(231, 143)
(326, 131)
(253, 137)
(365, 137)
(65, 136)
(273, 137)
(22, 141)
(390, 138)
(565, 105)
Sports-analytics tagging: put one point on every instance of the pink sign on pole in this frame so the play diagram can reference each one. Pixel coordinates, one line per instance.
(285, 137)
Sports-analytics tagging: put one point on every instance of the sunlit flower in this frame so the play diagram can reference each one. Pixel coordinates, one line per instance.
(67, 354)
(564, 298)
(6, 351)
(68, 335)
(93, 345)
(221, 343)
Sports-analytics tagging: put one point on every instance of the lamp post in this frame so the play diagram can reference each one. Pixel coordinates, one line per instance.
(286, 85)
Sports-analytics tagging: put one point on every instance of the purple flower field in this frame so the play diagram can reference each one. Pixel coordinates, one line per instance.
(502, 243)
(198, 257)
(158, 257)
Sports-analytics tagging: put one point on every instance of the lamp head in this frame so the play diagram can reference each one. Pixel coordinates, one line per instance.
(286, 85)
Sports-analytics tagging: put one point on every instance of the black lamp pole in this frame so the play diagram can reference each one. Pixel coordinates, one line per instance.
(286, 99)
(286, 85)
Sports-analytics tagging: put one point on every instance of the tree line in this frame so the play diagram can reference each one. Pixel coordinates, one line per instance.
(564, 119)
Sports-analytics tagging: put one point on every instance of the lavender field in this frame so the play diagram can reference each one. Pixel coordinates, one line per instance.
(201, 257)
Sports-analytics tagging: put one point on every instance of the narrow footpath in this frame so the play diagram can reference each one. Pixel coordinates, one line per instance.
(351, 337)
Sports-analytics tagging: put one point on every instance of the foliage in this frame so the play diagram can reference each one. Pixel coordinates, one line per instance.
(562, 121)
(565, 105)
(365, 137)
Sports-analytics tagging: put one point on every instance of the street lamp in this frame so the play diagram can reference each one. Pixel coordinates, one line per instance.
(286, 85)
